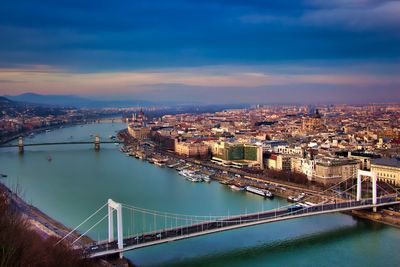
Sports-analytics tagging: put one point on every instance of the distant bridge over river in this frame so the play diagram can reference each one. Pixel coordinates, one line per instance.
(96, 142)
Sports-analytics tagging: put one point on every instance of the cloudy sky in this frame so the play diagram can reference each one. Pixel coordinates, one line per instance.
(206, 51)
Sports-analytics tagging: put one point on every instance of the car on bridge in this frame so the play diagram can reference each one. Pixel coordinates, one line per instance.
(295, 207)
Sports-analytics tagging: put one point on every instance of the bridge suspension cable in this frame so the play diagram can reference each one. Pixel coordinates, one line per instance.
(199, 218)
(87, 219)
(388, 184)
(170, 214)
(99, 221)
(161, 225)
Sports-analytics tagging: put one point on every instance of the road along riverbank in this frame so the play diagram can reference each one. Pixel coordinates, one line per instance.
(240, 179)
(79, 180)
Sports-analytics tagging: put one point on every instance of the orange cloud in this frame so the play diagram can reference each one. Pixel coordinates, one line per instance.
(44, 79)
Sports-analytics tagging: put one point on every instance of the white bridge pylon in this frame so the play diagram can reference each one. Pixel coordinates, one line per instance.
(112, 205)
(374, 179)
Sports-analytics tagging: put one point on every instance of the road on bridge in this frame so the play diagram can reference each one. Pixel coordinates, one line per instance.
(227, 223)
(64, 143)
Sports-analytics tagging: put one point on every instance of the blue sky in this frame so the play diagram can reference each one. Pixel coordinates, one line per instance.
(203, 51)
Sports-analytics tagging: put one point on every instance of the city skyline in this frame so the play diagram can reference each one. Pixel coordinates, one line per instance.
(200, 133)
(209, 52)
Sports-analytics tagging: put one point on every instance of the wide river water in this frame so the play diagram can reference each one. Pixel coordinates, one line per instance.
(78, 180)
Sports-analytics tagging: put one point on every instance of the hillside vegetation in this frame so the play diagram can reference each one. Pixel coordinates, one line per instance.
(22, 246)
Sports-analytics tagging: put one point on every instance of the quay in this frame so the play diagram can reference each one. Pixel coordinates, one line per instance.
(283, 189)
(223, 174)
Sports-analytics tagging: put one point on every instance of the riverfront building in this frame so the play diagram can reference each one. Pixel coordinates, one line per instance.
(279, 162)
(363, 157)
(137, 126)
(325, 148)
(139, 132)
(191, 149)
(387, 169)
(237, 154)
(333, 170)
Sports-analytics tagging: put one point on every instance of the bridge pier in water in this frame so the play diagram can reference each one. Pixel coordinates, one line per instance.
(97, 143)
(374, 179)
(21, 145)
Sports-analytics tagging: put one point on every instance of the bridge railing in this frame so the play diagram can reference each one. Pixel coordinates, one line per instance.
(259, 216)
(203, 226)
(186, 225)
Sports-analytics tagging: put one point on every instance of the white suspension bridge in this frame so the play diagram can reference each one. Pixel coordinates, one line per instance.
(150, 227)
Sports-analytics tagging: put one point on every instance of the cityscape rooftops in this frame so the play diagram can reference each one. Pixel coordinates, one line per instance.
(391, 162)
(330, 161)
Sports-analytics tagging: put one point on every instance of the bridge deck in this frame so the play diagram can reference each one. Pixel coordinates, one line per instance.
(229, 223)
(63, 143)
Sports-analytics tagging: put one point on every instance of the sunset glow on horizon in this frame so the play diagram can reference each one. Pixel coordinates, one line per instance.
(241, 50)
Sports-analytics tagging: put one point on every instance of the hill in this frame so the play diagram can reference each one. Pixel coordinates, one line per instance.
(59, 100)
(4, 100)
(74, 101)
(6, 103)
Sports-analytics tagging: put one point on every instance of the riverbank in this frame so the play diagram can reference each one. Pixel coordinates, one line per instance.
(240, 179)
(385, 216)
(44, 225)
(40, 130)
(47, 227)
(224, 175)
(78, 180)
(111, 119)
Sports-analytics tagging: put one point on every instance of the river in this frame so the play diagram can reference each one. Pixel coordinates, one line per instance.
(78, 180)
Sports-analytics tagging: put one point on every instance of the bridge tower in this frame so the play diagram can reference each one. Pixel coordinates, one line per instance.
(112, 205)
(374, 179)
(21, 144)
(97, 143)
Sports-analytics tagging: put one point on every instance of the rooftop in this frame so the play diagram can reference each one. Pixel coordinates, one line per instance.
(392, 162)
(328, 161)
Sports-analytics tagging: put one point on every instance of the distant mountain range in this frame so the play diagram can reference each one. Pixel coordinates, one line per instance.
(74, 101)
(5, 104)
(4, 100)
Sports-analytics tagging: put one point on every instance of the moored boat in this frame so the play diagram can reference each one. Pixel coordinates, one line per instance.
(191, 176)
(159, 164)
(236, 188)
(258, 191)
(296, 198)
(193, 179)
(206, 178)
(173, 165)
